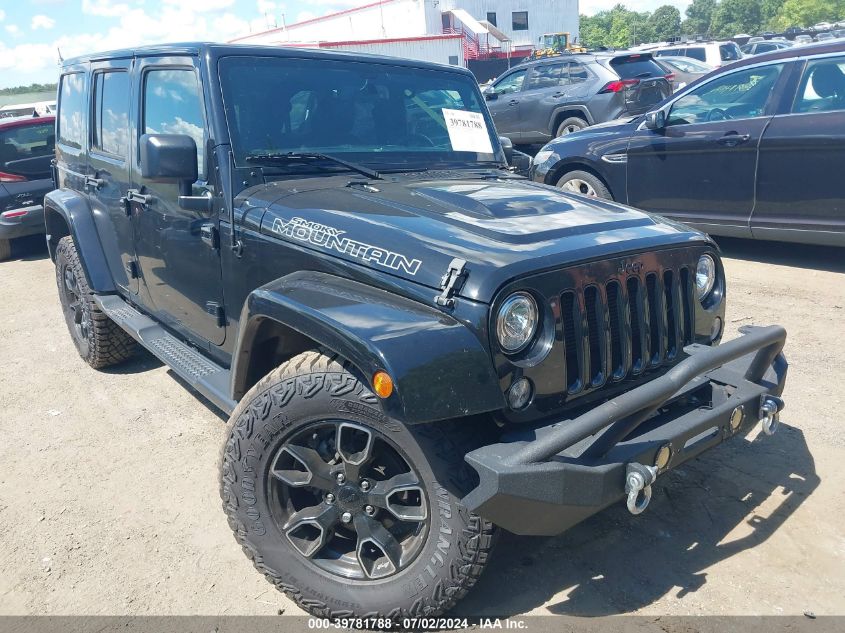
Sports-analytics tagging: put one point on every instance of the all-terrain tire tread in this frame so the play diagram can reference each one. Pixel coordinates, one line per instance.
(478, 533)
(108, 344)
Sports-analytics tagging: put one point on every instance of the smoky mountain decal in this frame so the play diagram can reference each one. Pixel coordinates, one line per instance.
(330, 238)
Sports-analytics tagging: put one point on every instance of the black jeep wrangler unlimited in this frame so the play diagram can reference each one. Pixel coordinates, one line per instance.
(415, 345)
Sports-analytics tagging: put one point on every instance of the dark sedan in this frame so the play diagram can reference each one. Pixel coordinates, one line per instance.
(753, 150)
(27, 145)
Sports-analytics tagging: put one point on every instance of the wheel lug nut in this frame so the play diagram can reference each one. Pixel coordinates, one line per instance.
(370, 510)
(365, 485)
(330, 498)
(340, 478)
(346, 517)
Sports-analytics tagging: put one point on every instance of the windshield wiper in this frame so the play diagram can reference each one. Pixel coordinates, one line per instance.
(312, 156)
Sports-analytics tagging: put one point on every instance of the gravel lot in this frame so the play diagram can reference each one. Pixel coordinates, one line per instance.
(109, 504)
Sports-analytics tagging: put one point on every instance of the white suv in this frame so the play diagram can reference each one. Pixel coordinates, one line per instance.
(713, 53)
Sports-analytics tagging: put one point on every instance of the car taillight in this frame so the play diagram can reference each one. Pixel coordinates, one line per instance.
(4, 177)
(7, 215)
(670, 77)
(619, 85)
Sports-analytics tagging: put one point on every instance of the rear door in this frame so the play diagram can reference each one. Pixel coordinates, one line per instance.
(181, 271)
(110, 166)
(701, 167)
(799, 179)
(503, 99)
(546, 87)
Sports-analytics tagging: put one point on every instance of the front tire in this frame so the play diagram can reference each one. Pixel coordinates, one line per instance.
(98, 339)
(347, 511)
(585, 184)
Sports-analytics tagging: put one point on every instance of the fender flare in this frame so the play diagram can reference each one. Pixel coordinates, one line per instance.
(67, 212)
(563, 108)
(440, 369)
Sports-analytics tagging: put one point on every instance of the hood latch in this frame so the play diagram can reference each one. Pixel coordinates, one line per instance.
(452, 282)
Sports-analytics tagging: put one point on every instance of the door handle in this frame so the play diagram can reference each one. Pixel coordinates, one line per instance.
(734, 139)
(559, 94)
(93, 182)
(134, 195)
(513, 102)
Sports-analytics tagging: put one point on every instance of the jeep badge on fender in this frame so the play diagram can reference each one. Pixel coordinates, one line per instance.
(415, 345)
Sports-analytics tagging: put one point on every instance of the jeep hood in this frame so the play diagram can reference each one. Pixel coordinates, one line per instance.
(503, 227)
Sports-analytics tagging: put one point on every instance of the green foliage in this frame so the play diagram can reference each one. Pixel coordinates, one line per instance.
(665, 22)
(620, 28)
(19, 90)
(736, 16)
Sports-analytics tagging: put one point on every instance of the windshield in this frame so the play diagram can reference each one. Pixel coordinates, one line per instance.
(382, 115)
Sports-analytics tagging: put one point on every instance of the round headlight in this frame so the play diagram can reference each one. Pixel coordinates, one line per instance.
(517, 322)
(705, 276)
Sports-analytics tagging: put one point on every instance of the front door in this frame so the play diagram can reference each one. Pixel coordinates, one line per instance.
(503, 101)
(799, 184)
(181, 270)
(110, 167)
(700, 168)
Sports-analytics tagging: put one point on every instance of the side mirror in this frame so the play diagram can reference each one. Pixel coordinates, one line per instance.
(655, 120)
(507, 147)
(491, 95)
(169, 157)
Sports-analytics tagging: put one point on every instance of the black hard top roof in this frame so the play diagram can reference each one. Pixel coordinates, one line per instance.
(221, 50)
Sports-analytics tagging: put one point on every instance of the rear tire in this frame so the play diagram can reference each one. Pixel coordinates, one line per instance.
(585, 184)
(98, 339)
(304, 510)
(5, 250)
(570, 126)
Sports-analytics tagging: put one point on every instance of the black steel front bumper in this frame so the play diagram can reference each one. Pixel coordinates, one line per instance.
(562, 473)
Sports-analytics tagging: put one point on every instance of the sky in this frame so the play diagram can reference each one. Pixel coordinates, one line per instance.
(32, 32)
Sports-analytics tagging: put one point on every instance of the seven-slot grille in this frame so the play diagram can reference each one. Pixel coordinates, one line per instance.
(626, 326)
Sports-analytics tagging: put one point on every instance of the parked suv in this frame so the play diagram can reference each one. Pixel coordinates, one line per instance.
(752, 150)
(712, 53)
(414, 344)
(26, 149)
(551, 97)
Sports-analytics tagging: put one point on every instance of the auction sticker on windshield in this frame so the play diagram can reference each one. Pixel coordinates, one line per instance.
(467, 131)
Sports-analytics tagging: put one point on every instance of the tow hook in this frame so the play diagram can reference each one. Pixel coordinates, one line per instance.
(770, 408)
(638, 480)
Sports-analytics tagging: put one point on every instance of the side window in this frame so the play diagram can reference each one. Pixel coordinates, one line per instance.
(72, 110)
(822, 88)
(698, 53)
(511, 83)
(577, 72)
(739, 95)
(172, 105)
(547, 76)
(110, 133)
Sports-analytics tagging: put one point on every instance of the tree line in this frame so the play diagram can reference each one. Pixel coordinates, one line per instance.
(19, 90)
(620, 27)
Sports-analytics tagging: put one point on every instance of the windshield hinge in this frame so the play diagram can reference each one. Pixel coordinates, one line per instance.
(452, 281)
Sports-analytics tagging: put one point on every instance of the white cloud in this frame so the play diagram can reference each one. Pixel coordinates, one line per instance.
(2, 15)
(200, 6)
(105, 8)
(266, 6)
(42, 22)
(13, 30)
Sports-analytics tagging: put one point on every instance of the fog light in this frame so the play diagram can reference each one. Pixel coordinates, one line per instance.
(519, 395)
(382, 384)
(737, 416)
(716, 330)
(661, 460)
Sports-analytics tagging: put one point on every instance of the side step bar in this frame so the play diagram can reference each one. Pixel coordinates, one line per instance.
(204, 375)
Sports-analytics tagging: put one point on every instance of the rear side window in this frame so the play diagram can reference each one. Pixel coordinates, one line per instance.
(20, 144)
(72, 110)
(822, 88)
(111, 113)
(699, 53)
(635, 66)
(547, 76)
(172, 105)
(730, 52)
(577, 72)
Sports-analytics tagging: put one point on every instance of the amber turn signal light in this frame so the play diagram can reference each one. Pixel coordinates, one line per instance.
(382, 384)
